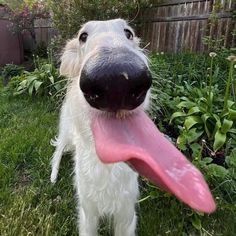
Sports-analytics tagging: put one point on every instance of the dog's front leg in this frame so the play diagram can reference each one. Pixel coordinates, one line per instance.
(88, 220)
(125, 221)
(62, 142)
(55, 163)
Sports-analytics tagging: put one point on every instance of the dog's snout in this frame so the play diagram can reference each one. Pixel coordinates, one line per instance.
(115, 79)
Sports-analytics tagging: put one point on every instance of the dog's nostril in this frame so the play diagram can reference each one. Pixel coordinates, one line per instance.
(92, 97)
(138, 94)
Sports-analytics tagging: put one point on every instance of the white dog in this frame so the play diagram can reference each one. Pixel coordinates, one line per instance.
(102, 189)
(101, 118)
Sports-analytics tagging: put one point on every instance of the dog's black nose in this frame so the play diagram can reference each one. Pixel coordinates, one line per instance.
(115, 79)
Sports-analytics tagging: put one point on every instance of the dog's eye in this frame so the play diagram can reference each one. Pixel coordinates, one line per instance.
(128, 34)
(83, 37)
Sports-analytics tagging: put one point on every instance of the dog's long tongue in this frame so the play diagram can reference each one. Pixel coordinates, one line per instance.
(137, 141)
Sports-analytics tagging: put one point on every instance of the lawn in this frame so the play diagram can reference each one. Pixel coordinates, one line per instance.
(31, 205)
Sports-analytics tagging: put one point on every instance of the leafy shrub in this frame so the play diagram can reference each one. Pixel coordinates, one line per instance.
(44, 80)
(171, 74)
(10, 70)
(190, 90)
(76, 12)
(197, 122)
(13, 84)
(198, 111)
(222, 178)
(204, 115)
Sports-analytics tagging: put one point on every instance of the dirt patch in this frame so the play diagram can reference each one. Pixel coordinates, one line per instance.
(23, 181)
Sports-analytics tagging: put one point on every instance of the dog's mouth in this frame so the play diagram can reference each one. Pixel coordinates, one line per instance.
(133, 138)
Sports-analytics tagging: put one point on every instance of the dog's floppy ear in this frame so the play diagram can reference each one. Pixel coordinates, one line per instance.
(70, 59)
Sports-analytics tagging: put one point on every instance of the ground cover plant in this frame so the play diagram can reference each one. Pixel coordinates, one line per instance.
(198, 99)
(42, 80)
(31, 205)
(9, 71)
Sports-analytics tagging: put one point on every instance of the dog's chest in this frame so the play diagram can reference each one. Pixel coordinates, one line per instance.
(108, 186)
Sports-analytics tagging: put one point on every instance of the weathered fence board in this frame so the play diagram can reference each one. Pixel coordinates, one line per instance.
(11, 50)
(170, 26)
(44, 30)
(181, 25)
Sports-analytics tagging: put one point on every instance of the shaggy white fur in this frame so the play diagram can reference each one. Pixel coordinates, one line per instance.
(102, 189)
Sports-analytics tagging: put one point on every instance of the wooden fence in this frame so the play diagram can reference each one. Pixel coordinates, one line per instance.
(11, 50)
(170, 26)
(181, 25)
(44, 32)
(13, 46)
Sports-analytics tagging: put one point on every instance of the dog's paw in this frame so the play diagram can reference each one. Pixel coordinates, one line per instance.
(53, 177)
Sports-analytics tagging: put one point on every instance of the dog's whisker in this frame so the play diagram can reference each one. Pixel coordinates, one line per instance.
(146, 46)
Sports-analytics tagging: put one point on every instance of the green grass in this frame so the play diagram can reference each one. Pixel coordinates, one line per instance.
(31, 205)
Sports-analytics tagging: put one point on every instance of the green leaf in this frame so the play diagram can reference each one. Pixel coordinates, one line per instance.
(181, 142)
(51, 78)
(153, 194)
(217, 124)
(37, 85)
(186, 104)
(193, 135)
(230, 103)
(203, 100)
(207, 160)
(183, 97)
(233, 131)
(226, 126)
(43, 75)
(218, 121)
(224, 113)
(31, 78)
(217, 171)
(232, 114)
(205, 117)
(211, 98)
(196, 222)
(191, 121)
(57, 86)
(19, 92)
(19, 88)
(196, 149)
(231, 159)
(219, 140)
(30, 89)
(177, 114)
(23, 83)
(193, 110)
(26, 72)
